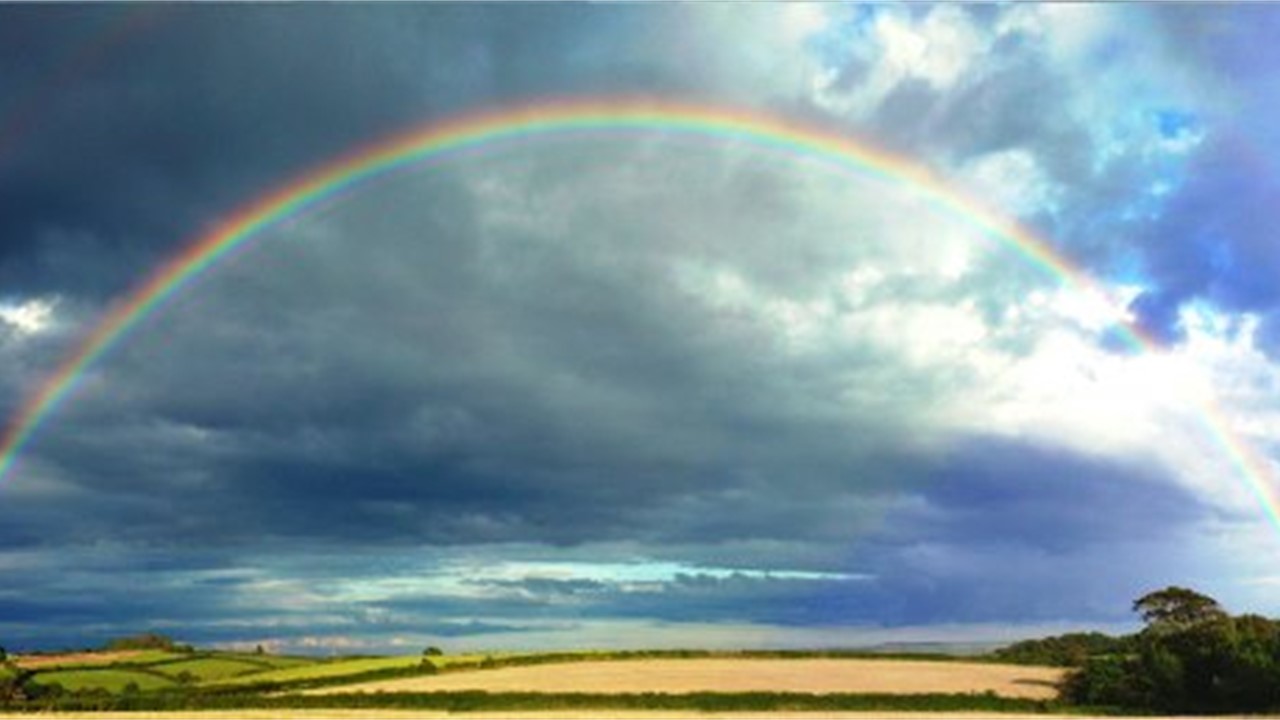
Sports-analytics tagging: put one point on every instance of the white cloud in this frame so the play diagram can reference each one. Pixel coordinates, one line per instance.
(1011, 180)
(800, 20)
(938, 49)
(1040, 370)
(1168, 407)
(28, 317)
(926, 335)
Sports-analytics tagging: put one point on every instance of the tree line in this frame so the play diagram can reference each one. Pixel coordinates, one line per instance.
(1190, 657)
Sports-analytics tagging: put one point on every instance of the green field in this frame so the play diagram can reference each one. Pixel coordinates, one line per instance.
(295, 669)
(111, 679)
(158, 669)
(206, 669)
(323, 670)
(271, 661)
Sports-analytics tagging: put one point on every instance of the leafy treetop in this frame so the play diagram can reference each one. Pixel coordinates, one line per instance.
(1177, 608)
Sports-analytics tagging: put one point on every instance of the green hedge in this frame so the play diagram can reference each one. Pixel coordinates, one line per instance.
(464, 701)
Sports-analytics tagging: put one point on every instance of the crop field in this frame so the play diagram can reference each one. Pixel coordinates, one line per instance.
(210, 668)
(94, 659)
(323, 670)
(110, 679)
(274, 662)
(732, 675)
(151, 669)
(579, 684)
(293, 669)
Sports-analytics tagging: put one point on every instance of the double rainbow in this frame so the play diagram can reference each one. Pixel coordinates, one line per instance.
(349, 172)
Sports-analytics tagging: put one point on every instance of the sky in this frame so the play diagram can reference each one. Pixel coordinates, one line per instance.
(638, 388)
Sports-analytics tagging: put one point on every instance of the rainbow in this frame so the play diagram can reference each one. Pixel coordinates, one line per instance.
(333, 180)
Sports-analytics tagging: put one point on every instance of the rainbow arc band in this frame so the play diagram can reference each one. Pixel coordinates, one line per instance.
(331, 181)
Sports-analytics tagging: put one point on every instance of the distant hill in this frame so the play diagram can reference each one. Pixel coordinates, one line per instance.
(962, 649)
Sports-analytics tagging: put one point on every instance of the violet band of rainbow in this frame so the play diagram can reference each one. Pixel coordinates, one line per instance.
(348, 172)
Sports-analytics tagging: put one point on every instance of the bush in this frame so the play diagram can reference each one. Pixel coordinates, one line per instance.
(1108, 681)
(1070, 650)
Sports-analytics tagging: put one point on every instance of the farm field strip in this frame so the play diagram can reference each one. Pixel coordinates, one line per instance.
(274, 662)
(112, 679)
(323, 670)
(331, 669)
(737, 675)
(95, 659)
(148, 669)
(210, 668)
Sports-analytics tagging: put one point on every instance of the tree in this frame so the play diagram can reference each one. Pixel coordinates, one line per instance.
(3, 655)
(259, 650)
(432, 651)
(142, 641)
(1192, 657)
(1176, 608)
(1254, 675)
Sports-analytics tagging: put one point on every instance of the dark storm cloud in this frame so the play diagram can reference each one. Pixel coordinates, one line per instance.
(987, 542)
(1214, 241)
(1006, 532)
(447, 380)
(1076, 533)
(1051, 499)
(135, 127)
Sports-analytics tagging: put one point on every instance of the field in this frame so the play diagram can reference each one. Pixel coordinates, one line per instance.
(271, 661)
(156, 669)
(583, 683)
(322, 670)
(111, 679)
(802, 675)
(210, 668)
(85, 659)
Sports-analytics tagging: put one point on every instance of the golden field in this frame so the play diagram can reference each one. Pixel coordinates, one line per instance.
(801, 675)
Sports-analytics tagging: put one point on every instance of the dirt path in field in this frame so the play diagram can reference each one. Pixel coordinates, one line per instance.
(821, 675)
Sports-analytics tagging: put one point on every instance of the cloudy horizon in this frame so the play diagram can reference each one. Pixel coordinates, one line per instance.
(634, 389)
